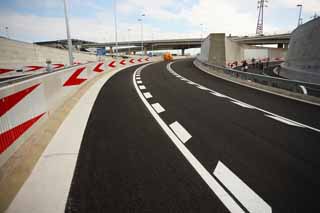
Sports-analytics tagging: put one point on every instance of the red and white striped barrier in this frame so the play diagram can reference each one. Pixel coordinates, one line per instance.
(25, 105)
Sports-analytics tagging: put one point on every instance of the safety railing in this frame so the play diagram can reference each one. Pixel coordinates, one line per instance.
(281, 83)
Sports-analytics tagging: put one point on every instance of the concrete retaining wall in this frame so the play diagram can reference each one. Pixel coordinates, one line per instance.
(27, 104)
(16, 54)
(303, 59)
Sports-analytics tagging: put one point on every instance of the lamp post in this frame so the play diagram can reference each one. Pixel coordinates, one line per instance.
(68, 33)
(115, 26)
(300, 11)
(201, 35)
(152, 45)
(141, 28)
(129, 39)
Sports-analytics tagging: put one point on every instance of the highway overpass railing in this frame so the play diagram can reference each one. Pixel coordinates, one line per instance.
(281, 83)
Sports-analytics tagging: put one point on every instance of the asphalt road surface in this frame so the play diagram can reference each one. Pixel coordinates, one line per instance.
(170, 138)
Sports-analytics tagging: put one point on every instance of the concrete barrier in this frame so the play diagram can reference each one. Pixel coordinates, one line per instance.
(26, 104)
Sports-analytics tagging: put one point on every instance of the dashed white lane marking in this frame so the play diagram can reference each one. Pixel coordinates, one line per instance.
(244, 105)
(142, 87)
(138, 78)
(139, 82)
(225, 198)
(247, 197)
(256, 108)
(284, 120)
(180, 131)
(158, 108)
(147, 95)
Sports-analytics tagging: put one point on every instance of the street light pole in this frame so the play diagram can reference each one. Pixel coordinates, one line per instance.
(68, 33)
(300, 11)
(115, 26)
(201, 30)
(141, 28)
(129, 39)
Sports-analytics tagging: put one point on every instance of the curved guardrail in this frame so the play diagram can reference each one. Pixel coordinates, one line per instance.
(281, 83)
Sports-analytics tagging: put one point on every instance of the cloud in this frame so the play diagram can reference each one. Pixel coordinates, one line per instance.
(165, 18)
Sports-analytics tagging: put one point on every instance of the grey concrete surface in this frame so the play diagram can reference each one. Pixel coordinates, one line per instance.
(16, 54)
(303, 59)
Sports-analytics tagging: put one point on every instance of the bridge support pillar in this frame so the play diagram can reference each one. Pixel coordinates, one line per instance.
(111, 50)
(182, 51)
(286, 46)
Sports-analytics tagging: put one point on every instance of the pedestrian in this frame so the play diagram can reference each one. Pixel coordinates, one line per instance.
(253, 62)
(245, 66)
(260, 66)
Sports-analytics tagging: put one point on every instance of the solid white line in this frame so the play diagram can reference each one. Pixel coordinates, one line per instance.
(225, 198)
(257, 108)
(158, 108)
(142, 87)
(180, 131)
(147, 95)
(139, 82)
(247, 197)
(218, 94)
(244, 105)
(202, 88)
(190, 82)
(283, 120)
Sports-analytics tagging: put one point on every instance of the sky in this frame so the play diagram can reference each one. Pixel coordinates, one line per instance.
(93, 20)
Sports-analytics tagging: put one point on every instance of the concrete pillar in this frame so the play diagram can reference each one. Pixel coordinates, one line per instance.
(286, 46)
(280, 45)
(111, 50)
(182, 51)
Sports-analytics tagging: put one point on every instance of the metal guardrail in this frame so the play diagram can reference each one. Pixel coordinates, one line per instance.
(290, 85)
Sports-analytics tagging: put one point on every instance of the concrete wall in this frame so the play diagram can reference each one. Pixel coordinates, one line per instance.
(27, 104)
(303, 58)
(16, 54)
(234, 51)
(213, 49)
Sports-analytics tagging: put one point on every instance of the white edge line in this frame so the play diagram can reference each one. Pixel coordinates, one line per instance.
(285, 121)
(257, 108)
(225, 198)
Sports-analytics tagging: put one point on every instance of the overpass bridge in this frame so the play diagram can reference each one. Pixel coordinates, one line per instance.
(282, 40)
